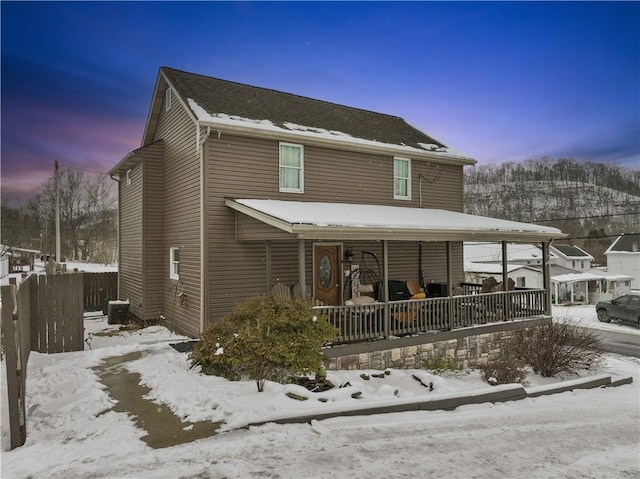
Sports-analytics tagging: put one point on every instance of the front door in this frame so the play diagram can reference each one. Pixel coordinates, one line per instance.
(326, 266)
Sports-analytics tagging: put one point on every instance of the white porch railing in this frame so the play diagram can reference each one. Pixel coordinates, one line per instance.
(381, 320)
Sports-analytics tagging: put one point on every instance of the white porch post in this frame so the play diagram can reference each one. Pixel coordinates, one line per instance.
(301, 267)
(546, 277)
(504, 266)
(267, 259)
(505, 288)
(449, 270)
(385, 288)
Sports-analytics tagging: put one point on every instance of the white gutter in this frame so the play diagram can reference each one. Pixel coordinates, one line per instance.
(343, 142)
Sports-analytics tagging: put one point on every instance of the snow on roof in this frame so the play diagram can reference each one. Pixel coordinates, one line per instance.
(224, 119)
(384, 219)
(589, 275)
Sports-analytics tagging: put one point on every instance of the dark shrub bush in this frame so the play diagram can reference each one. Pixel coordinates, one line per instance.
(561, 347)
(504, 371)
(265, 339)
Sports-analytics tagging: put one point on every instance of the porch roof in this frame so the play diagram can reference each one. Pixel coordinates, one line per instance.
(589, 276)
(343, 221)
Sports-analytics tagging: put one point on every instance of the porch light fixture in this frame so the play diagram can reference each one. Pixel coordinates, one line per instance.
(348, 255)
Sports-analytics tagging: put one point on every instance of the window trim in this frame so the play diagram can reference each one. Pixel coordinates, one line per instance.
(300, 169)
(407, 179)
(129, 177)
(174, 264)
(167, 99)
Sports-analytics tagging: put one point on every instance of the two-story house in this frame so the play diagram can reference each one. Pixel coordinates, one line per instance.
(236, 188)
(623, 257)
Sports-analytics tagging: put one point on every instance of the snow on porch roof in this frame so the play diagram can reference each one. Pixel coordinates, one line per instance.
(589, 276)
(339, 221)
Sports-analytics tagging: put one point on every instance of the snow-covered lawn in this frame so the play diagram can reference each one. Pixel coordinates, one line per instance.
(72, 433)
(585, 315)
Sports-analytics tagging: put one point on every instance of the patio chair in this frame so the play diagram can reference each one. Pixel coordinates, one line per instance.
(488, 285)
(414, 287)
(281, 291)
(457, 291)
(408, 313)
(297, 290)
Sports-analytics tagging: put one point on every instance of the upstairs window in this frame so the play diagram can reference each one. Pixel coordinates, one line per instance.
(291, 168)
(167, 100)
(401, 179)
(174, 263)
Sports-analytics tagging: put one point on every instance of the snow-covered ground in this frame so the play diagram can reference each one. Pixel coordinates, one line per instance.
(585, 315)
(72, 433)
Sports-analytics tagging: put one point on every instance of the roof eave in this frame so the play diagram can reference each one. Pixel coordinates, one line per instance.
(416, 234)
(343, 143)
(319, 232)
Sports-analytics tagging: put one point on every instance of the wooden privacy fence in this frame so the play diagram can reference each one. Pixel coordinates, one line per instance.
(45, 314)
(57, 325)
(99, 289)
(16, 345)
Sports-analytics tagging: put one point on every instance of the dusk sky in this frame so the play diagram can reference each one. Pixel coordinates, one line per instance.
(504, 81)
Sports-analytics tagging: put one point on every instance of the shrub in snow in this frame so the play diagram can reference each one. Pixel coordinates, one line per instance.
(503, 372)
(560, 347)
(265, 339)
(441, 366)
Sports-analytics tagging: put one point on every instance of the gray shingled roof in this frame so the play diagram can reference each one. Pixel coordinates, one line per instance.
(236, 99)
(570, 250)
(626, 243)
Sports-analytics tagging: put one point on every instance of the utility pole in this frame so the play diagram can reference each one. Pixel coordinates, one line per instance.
(57, 183)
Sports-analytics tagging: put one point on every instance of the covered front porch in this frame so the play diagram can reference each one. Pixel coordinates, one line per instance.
(398, 318)
(335, 233)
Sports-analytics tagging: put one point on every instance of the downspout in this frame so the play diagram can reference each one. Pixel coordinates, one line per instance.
(204, 260)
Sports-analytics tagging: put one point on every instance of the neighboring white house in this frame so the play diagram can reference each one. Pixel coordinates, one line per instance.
(571, 256)
(572, 278)
(589, 286)
(522, 275)
(5, 256)
(517, 253)
(623, 257)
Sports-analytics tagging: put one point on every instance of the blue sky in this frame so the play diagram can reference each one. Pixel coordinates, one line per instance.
(498, 81)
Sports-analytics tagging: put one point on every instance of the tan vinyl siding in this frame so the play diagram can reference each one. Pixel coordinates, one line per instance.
(181, 217)
(153, 230)
(130, 231)
(241, 167)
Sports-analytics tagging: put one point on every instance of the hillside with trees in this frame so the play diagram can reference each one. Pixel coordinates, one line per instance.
(592, 202)
(88, 219)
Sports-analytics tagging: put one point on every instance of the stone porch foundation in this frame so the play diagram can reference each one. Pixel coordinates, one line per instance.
(467, 347)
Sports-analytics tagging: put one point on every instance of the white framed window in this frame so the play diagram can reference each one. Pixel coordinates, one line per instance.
(167, 100)
(520, 281)
(401, 179)
(128, 176)
(291, 168)
(174, 263)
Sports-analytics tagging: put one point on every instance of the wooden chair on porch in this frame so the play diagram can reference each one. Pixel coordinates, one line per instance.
(297, 290)
(488, 285)
(414, 287)
(281, 291)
